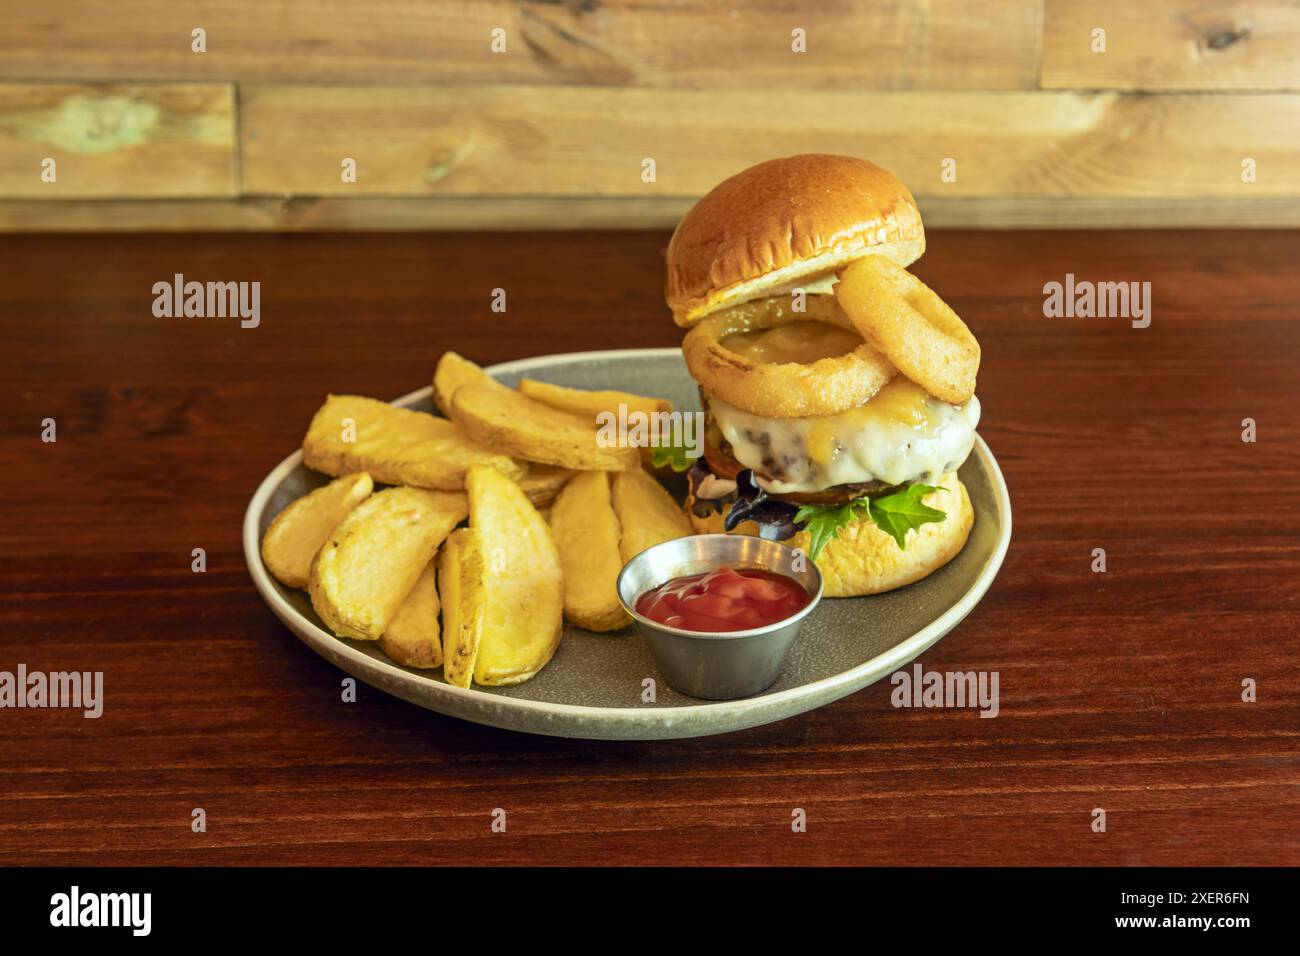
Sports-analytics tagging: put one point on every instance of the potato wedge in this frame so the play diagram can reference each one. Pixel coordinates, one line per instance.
(298, 531)
(516, 425)
(460, 588)
(452, 372)
(543, 483)
(647, 513)
(590, 404)
(522, 583)
(397, 446)
(411, 638)
(371, 561)
(586, 535)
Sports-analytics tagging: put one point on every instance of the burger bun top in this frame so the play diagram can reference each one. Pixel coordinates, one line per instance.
(782, 222)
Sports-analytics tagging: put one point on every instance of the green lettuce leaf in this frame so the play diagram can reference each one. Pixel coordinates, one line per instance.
(898, 513)
(893, 514)
(823, 522)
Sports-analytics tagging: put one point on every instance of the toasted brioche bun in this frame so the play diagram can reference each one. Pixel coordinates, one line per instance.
(784, 221)
(862, 559)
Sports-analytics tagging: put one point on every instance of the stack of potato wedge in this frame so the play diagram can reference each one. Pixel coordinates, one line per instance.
(386, 565)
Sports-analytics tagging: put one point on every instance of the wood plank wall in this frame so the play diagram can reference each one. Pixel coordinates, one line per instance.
(109, 119)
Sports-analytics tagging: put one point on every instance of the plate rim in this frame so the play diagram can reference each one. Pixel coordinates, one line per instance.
(900, 653)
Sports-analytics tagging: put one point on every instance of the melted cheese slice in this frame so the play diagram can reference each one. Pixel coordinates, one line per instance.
(902, 434)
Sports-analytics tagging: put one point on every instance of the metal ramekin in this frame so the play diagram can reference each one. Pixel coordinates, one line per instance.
(718, 666)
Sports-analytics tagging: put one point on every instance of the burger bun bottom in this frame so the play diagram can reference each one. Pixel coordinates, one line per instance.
(862, 559)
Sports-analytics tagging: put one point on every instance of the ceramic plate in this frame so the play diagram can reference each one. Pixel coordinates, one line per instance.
(593, 686)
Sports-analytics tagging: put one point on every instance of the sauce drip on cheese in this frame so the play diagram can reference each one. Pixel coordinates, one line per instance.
(802, 342)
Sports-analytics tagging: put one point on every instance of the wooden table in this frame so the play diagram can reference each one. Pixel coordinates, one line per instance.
(1119, 690)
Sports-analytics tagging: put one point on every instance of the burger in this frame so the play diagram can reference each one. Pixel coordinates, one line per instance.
(838, 390)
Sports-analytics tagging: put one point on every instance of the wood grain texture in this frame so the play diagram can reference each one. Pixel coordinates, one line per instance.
(902, 44)
(1119, 690)
(592, 141)
(172, 140)
(475, 213)
(1172, 45)
(553, 131)
(341, 213)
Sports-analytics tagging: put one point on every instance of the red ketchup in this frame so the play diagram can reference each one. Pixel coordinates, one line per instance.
(723, 600)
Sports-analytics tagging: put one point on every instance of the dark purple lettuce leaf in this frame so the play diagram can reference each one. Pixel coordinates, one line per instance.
(749, 502)
(775, 519)
(702, 507)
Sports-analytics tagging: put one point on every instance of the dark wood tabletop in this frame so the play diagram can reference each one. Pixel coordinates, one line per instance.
(1119, 690)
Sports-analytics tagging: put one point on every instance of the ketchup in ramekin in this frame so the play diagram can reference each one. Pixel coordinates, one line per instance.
(725, 599)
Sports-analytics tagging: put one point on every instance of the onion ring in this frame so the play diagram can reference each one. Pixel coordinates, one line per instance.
(783, 389)
(914, 328)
